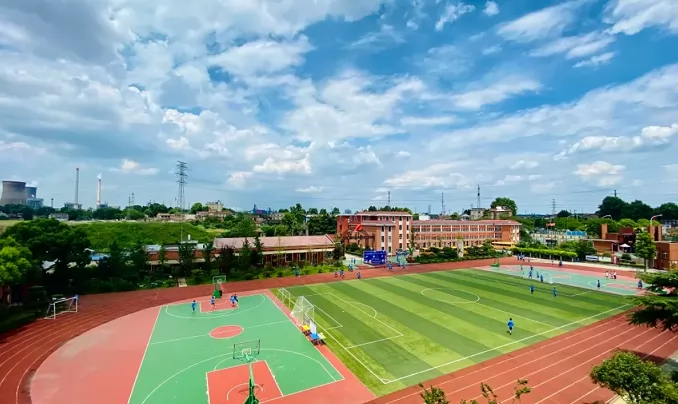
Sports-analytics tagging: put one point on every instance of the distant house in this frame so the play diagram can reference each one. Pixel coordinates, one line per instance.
(285, 250)
(62, 217)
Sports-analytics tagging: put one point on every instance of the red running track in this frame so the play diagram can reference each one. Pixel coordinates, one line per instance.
(556, 369)
(23, 350)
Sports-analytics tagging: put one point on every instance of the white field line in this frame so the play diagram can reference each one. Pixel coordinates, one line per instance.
(362, 311)
(277, 386)
(605, 352)
(208, 335)
(549, 345)
(505, 345)
(587, 376)
(597, 387)
(374, 342)
(148, 344)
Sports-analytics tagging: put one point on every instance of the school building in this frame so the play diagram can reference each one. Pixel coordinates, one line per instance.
(624, 241)
(393, 231)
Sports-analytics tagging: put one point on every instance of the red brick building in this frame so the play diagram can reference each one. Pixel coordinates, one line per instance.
(624, 241)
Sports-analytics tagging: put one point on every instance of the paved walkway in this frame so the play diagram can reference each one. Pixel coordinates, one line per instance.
(609, 267)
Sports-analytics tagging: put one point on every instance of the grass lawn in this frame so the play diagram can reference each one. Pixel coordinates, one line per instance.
(395, 332)
(7, 223)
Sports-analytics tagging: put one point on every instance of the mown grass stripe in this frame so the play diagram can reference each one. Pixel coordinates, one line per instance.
(351, 331)
(561, 306)
(531, 320)
(448, 331)
(590, 296)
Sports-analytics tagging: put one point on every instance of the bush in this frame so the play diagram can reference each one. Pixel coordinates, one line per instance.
(626, 257)
(544, 253)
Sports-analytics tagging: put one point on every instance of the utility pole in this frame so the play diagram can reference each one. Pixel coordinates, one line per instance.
(181, 181)
(442, 204)
(478, 201)
(615, 193)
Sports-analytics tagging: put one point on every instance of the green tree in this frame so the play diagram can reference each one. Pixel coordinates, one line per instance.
(197, 207)
(635, 380)
(660, 307)
(133, 214)
(138, 260)
(563, 213)
(162, 259)
(207, 256)
(669, 211)
(257, 253)
(612, 206)
(245, 256)
(15, 261)
(53, 241)
(637, 210)
(226, 260)
(645, 247)
(186, 254)
(436, 395)
(584, 248)
(506, 203)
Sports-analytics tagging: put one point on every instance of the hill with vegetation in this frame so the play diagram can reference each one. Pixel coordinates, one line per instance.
(101, 234)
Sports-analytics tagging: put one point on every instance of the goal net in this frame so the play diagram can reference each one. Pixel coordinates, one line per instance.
(285, 297)
(303, 312)
(60, 306)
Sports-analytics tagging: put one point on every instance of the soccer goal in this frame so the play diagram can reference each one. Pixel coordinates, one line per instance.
(60, 306)
(285, 297)
(303, 312)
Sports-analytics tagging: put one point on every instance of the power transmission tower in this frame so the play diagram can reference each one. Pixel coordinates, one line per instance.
(181, 180)
(389, 199)
(615, 193)
(553, 207)
(479, 197)
(442, 204)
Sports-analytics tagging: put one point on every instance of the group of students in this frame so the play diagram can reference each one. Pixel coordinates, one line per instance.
(213, 302)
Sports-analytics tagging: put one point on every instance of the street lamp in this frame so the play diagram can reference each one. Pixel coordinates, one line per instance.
(610, 216)
(652, 218)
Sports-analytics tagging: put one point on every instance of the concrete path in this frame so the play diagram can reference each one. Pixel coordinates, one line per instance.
(609, 267)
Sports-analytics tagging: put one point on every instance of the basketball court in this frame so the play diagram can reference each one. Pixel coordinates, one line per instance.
(213, 355)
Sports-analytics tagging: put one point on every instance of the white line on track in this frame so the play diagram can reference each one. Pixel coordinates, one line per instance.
(148, 344)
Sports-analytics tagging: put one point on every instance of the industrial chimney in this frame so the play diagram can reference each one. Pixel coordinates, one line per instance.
(77, 186)
(98, 191)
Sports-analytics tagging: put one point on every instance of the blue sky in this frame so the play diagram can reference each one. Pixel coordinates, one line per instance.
(336, 103)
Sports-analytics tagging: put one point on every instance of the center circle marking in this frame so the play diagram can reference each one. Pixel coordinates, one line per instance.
(226, 331)
(451, 301)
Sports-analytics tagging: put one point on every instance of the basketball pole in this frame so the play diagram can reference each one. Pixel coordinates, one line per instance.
(251, 398)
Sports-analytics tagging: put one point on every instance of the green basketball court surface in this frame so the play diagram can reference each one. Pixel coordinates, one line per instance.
(190, 356)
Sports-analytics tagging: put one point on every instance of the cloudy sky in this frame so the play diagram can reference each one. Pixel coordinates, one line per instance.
(337, 102)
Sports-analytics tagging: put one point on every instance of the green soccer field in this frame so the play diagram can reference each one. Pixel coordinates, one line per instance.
(397, 331)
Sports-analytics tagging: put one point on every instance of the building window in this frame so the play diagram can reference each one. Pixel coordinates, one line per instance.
(389, 239)
(389, 249)
(400, 227)
(400, 246)
(302, 257)
(382, 239)
(288, 257)
(665, 255)
(382, 248)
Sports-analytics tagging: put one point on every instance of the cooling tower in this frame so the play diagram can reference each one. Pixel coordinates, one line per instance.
(31, 192)
(13, 193)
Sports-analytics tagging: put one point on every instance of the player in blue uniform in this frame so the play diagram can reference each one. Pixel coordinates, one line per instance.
(541, 279)
(598, 284)
(358, 275)
(341, 273)
(232, 300)
(235, 297)
(530, 275)
(531, 289)
(554, 292)
(640, 284)
(193, 304)
(390, 266)
(510, 326)
(213, 302)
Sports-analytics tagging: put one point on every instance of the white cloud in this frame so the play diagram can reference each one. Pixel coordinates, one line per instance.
(649, 136)
(280, 166)
(491, 8)
(544, 187)
(403, 153)
(600, 172)
(575, 47)
(545, 23)
(596, 60)
(514, 179)
(524, 164)
(262, 56)
(387, 35)
(445, 61)
(632, 16)
(310, 190)
(428, 121)
(436, 175)
(495, 92)
(238, 179)
(132, 167)
(492, 50)
(452, 13)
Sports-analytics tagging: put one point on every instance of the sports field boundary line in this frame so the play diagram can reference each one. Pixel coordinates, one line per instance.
(143, 357)
(292, 321)
(189, 301)
(207, 335)
(606, 352)
(400, 334)
(503, 346)
(547, 344)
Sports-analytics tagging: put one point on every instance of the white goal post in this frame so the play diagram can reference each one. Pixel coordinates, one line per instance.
(60, 306)
(285, 297)
(303, 312)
